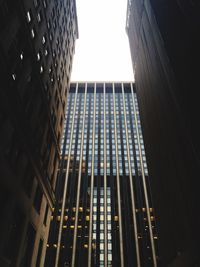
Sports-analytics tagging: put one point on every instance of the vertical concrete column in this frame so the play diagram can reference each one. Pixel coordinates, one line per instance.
(105, 185)
(92, 182)
(65, 184)
(144, 182)
(131, 186)
(118, 185)
(79, 184)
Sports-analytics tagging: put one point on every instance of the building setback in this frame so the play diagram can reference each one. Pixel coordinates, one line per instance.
(37, 39)
(104, 215)
(164, 43)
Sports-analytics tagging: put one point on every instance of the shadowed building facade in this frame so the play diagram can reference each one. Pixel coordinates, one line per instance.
(164, 43)
(104, 215)
(37, 39)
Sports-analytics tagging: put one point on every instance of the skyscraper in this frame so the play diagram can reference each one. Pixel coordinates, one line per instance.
(164, 43)
(37, 39)
(104, 214)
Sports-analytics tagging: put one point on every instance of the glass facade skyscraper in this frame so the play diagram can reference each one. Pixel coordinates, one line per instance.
(105, 215)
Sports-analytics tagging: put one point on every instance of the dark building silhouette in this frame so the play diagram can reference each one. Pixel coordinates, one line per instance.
(37, 39)
(164, 43)
(104, 215)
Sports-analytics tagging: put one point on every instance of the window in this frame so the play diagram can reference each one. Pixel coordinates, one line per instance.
(28, 15)
(21, 56)
(44, 3)
(45, 52)
(41, 69)
(39, 253)
(110, 257)
(38, 199)
(43, 40)
(14, 76)
(32, 33)
(94, 235)
(39, 17)
(38, 56)
(28, 246)
(45, 215)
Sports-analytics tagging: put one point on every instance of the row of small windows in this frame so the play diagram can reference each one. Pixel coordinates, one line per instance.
(101, 225)
(43, 41)
(108, 142)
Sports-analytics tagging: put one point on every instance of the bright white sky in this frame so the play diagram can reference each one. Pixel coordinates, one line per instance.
(102, 51)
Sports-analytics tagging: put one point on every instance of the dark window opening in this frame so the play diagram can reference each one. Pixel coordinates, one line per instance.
(28, 246)
(39, 253)
(38, 199)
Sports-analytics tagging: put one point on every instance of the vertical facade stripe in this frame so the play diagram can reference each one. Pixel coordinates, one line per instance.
(92, 182)
(79, 184)
(144, 183)
(65, 185)
(105, 184)
(131, 186)
(118, 185)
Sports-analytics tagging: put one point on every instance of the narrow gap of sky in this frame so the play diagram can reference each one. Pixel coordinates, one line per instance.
(102, 51)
